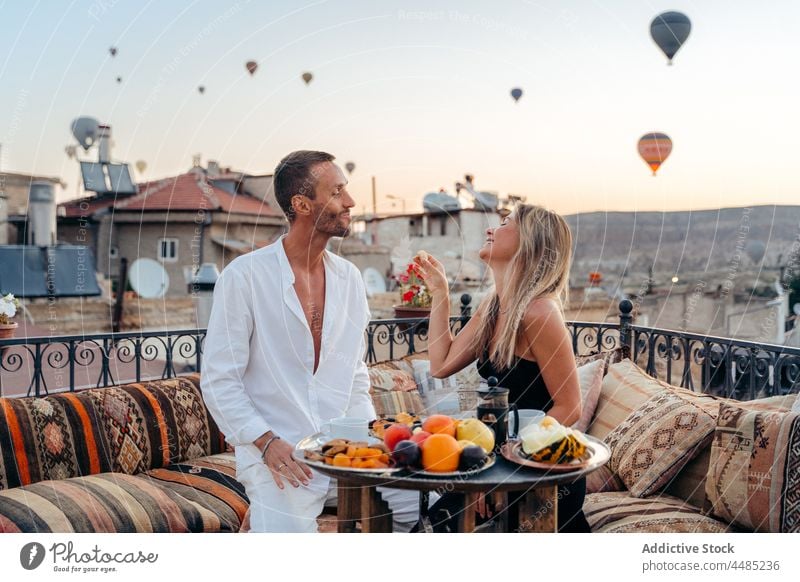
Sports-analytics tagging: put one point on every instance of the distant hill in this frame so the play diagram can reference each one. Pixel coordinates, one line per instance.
(696, 241)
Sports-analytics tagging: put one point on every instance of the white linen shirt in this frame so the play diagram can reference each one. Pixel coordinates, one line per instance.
(258, 359)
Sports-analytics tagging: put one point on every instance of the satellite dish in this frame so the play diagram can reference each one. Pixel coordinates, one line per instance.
(148, 278)
(373, 281)
(85, 131)
(796, 308)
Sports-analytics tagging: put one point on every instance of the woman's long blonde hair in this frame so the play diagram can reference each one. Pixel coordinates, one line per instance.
(540, 268)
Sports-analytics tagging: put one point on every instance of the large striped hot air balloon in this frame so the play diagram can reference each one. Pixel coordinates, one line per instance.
(655, 148)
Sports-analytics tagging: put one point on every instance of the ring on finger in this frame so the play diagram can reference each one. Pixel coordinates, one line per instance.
(281, 466)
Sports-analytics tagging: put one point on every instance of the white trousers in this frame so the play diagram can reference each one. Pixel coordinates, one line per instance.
(295, 509)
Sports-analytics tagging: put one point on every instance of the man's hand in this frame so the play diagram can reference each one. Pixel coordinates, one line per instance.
(282, 466)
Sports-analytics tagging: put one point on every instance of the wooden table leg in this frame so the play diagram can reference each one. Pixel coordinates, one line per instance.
(466, 518)
(376, 517)
(348, 507)
(538, 510)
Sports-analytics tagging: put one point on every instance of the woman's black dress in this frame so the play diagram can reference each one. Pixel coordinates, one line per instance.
(527, 389)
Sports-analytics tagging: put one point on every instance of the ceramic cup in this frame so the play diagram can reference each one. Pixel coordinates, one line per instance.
(347, 427)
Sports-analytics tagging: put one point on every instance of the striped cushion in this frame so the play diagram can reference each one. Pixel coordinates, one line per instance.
(210, 482)
(111, 502)
(390, 403)
(618, 512)
(125, 429)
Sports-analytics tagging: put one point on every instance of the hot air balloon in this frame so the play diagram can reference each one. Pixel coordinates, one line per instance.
(85, 131)
(70, 150)
(141, 166)
(119, 79)
(201, 89)
(655, 149)
(113, 51)
(669, 31)
(516, 93)
(252, 67)
(349, 166)
(307, 77)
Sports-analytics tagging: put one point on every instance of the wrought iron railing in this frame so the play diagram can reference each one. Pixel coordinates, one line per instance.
(722, 366)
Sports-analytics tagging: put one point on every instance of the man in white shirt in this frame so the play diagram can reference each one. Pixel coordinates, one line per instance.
(284, 350)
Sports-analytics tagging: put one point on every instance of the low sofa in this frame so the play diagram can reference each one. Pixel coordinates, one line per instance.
(681, 461)
(143, 457)
(148, 457)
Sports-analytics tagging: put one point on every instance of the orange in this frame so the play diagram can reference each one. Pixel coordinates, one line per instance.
(440, 424)
(440, 453)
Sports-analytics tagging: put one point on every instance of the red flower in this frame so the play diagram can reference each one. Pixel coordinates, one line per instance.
(408, 296)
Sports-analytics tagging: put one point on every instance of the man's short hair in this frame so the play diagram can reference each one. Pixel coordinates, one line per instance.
(294, 176)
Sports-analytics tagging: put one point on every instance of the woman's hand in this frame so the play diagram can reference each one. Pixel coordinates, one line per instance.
(433, 273)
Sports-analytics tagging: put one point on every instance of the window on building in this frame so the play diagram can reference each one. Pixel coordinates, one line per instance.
(168, 250)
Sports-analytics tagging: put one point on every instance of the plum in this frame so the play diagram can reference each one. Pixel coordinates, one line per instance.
(406, 453)
(472, 457)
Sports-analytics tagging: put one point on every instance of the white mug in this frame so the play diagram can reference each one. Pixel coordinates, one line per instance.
(526, 416)
(347, 427)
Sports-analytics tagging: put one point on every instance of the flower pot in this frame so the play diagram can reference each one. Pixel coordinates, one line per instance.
(7, 330)
(410, 312)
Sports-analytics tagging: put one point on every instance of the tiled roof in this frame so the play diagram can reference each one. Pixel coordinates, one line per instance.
(192, 192)
(85, 207)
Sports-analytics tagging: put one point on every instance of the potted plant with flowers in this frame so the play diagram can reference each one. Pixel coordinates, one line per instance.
(9, 305)
(415, 299)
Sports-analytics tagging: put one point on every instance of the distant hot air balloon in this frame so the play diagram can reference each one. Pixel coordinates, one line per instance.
(349, 166)
(252, 67)
(307, 77)
(201, 89)
(70, 150)
(141, 166)
(119, 79)
(516, 93)
(669, 31)
(655, 149)
(113, 51)
(755, 249)
(85, 131)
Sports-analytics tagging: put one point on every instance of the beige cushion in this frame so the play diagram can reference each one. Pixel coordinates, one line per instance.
(653, 444)
(621, 513)
(590, 378)
(625, 388)
(603, 480)
(754, 471)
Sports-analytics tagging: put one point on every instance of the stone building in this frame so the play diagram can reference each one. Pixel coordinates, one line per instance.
(198, 217)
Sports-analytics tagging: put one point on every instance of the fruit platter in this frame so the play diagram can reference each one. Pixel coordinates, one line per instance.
(438, 446)
(550, 446)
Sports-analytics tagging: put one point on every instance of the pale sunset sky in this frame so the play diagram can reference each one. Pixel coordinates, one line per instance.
(416, 93)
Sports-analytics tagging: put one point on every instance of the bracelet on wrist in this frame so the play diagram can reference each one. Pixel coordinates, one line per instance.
(267, 444)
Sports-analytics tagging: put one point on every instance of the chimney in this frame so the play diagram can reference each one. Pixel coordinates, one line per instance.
(41, 214)
(213, 168)
(104, 145)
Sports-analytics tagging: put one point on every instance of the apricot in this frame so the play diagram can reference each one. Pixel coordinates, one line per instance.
(342, 460)
(440, 424)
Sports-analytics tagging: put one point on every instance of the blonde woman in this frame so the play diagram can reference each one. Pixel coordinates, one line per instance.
(517, 333)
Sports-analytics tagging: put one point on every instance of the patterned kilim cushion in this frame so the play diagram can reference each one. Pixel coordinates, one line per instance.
(754, 473)
(603, 480)
(125, 429)
(690, 483)
(386, 377)
(625, 388)
(621, 513)
(652, 445)
(111, 502)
